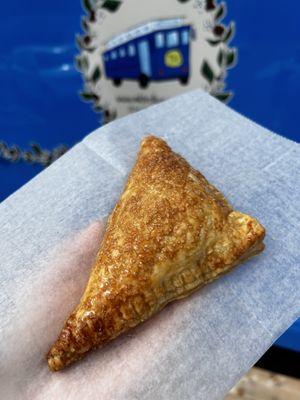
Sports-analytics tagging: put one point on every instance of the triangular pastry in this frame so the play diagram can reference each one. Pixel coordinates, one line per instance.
(170, 233)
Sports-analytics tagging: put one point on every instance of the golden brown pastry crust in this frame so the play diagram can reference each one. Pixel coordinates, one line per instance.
(170, 233)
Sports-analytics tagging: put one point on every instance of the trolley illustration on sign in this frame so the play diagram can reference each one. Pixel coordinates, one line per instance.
(156, 51)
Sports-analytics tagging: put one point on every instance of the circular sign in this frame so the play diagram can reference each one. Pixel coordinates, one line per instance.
(131, 60)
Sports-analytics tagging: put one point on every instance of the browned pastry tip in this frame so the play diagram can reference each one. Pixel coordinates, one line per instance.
(170, 233)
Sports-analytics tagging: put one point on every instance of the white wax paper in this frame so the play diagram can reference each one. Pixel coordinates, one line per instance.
(195, 348)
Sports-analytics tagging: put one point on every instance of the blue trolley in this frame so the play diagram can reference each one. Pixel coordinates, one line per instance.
(156, 51)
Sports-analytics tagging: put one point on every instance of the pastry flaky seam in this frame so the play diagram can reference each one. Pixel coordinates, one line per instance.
(170, 233)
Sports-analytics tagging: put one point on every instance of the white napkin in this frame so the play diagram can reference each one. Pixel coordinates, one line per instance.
(196, 348)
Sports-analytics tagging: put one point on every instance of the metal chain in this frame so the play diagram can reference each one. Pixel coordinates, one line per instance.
(35, 155)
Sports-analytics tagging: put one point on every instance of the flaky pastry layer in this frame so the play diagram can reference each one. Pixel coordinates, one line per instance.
(170, 233)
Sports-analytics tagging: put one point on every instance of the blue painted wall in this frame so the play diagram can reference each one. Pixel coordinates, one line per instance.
(38, 81)
(267, 78)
